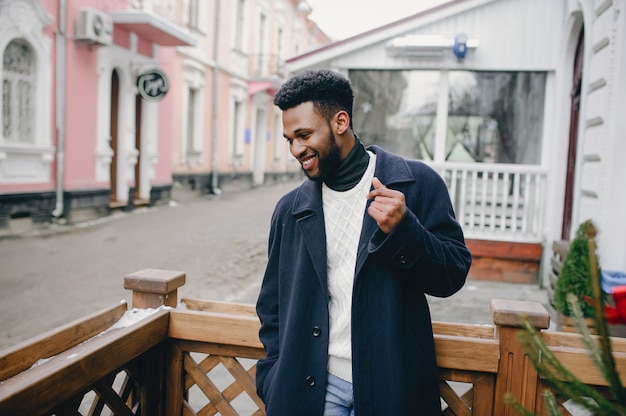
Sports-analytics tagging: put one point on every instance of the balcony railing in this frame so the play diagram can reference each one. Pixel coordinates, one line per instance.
(497, 201)
(268, 65)
(200, 359)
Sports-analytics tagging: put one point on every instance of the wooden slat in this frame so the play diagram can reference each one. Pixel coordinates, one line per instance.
(578, 363)
(243, 378)
(206, 365)
(208, 387)
(66, 374)
(174, 380)
(483, 390)
(221, 349)
(504, 270)
(505, 249)
(484, 387)
(473, 354)
(214, 327)
(455, 402)
(464, 330)
(560, 247)
(113, 401)
(22, 356)
(574, 340)
(556, 269)
(220, 307)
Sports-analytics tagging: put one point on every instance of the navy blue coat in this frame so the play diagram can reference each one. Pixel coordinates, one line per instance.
(393, 355)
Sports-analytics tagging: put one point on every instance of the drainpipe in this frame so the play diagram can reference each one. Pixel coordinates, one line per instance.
(216, 73)
(60, 108)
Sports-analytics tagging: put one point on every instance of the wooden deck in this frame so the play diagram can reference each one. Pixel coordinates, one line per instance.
(200, 359)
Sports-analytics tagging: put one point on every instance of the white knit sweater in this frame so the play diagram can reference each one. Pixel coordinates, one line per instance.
(343, 220)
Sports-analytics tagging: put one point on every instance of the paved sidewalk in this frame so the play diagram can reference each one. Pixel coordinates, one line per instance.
(53, 277)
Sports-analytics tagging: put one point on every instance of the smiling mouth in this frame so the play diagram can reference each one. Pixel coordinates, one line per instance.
(307, 161)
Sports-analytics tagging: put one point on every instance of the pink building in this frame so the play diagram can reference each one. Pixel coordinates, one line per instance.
(227, 133)
(85, 109)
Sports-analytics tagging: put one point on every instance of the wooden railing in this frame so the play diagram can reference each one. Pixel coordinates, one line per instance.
(497, 201)
(200, 359)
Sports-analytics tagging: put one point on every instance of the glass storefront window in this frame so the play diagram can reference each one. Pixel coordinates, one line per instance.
(397, 110)
(493, 117)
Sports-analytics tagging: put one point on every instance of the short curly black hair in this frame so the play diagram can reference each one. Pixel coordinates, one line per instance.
(328, 90)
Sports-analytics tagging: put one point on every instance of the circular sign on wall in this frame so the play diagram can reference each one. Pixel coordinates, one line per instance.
(153, 84)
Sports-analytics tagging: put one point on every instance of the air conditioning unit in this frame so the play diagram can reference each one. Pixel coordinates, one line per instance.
(95, 26)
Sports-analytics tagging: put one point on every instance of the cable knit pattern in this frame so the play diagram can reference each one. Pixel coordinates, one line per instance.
(343, 219)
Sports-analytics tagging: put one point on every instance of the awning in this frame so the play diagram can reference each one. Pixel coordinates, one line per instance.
(255, 87)
(152, 27)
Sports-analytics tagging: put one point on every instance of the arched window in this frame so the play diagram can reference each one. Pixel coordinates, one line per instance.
(18, 89)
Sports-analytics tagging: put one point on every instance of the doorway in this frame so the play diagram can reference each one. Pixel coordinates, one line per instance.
(113, 129)
(138, 108)
(573, 138)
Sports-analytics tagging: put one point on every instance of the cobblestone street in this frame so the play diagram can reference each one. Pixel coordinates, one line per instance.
(54, 277)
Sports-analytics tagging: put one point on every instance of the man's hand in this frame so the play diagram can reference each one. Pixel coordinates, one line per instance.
(388, 206)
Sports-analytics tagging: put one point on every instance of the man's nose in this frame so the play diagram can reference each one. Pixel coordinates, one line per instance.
(297, 148)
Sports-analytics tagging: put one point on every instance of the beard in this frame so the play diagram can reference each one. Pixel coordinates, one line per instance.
(328, 164)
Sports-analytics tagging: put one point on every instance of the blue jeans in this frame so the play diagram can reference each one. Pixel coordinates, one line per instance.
(339, 397)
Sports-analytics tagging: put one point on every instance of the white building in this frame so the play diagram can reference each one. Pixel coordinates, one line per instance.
(518, 103)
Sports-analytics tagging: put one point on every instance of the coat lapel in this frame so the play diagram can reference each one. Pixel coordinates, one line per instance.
(308, 211)
(391, 170)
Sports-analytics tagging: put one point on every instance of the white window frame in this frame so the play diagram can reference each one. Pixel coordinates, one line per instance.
(24, 163)
(192, 151)
(238, 109)
(239, 25)
(280, 144)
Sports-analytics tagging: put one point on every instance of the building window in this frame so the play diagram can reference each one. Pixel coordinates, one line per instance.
(239, 25)
(192, 110)
(191, 130)
(192, 144)
(495, 116)
(492, 117)
(18, 84)
(237, 135)
(25, 83)
(192, 14)
(397, 110)
(261, 62)
(279, 143)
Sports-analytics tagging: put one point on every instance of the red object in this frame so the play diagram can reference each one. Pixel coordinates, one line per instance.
(617, 314)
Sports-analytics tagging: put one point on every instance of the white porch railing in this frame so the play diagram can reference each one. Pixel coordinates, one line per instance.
(497, 201)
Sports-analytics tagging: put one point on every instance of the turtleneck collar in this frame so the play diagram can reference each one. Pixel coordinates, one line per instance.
(350, 170)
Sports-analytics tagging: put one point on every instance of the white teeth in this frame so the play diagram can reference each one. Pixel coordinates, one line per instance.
(307, 162)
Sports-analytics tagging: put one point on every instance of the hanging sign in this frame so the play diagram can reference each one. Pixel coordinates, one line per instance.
(153, 84)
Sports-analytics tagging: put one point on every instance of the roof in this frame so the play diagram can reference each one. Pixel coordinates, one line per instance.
(519, 35)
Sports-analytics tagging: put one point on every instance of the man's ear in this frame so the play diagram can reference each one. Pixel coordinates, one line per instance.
(341, 122)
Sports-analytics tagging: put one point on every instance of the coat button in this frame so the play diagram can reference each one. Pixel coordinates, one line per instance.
(310, 381)
(402, 259)
(317, 331)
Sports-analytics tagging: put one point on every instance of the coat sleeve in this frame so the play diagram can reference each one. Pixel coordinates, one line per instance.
(267, 310)
(427, 246)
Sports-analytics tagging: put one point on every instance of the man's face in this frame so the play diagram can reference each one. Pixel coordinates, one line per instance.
(311, 141)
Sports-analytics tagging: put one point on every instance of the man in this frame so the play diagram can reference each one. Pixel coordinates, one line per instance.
(352, 253)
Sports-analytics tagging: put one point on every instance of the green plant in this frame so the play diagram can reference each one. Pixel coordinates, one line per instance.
(561, 381)
(576, 277)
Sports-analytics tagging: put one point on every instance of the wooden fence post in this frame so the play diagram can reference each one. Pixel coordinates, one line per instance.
(153, 288)
(516, 374)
